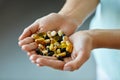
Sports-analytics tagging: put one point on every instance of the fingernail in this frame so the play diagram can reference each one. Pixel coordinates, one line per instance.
(38, 60)
(67, 69)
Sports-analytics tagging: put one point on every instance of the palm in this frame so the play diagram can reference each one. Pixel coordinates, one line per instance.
(82, 44)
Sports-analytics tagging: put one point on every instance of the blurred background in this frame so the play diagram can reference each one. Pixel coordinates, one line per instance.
(15, 15)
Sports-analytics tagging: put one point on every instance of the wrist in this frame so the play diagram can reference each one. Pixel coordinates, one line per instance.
(70, 17)
(94, 37)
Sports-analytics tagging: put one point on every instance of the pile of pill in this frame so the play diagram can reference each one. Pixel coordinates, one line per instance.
(53, 43)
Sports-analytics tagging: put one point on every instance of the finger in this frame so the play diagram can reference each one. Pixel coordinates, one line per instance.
(25, 41)
(76, 63)
(31, 53)
(56, 64)
(39, 65)
(29, 47)
(33, 58)
(29, 30)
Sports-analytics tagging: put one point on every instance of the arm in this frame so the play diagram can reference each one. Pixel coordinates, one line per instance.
(106, 38)
(78, 9)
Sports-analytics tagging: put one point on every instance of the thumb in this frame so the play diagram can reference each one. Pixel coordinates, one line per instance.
(76, 63)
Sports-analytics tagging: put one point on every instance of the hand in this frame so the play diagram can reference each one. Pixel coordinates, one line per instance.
(82, 45)
(52, 21)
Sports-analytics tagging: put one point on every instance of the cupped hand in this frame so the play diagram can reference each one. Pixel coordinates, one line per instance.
(82, 46)
(52, 21)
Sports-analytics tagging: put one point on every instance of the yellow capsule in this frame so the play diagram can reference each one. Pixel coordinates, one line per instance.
(57, 44)
(51, 47)
(62, 54)
(47, 41)
(69, 48)
(58, 51)
(63, 45)
(35, 36)
(60, 33)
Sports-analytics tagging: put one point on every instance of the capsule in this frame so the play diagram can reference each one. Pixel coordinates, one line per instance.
(60, 33)
(40, 41)
(38, 51)
(62, 54)
(41, 47)
(47, 41)
(60, 58)
(63, 45)
(35, 36)
(58, 51)
(53, 33)
(65, 38)
(49, 34)
(51, 47)
(50, 53)
(69, 48)
(45, 52)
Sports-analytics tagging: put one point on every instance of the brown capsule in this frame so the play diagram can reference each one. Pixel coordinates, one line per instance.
(65, 38)
(41, 47)
(40, 41)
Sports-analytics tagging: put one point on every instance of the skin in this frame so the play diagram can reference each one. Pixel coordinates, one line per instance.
(67, 19)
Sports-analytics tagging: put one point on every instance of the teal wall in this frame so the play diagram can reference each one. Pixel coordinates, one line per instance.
(15, 15)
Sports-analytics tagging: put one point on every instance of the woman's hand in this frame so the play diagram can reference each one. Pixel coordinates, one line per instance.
(52, 21)
(82, 45)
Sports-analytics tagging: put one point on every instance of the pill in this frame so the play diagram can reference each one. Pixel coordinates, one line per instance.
(51, 47)
(52, 43)
(53, 33)
(60, 33)
(40, 41)
(45, 52)
(50, 53)
(39, 52)
(58, 51)
(35, 36)
(60, 58)
(62, 49)
(62, 54)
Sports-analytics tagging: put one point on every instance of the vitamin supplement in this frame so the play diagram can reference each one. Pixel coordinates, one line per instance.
(54, 44)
